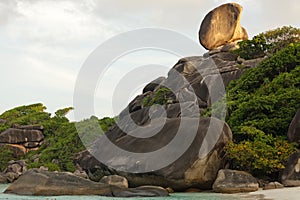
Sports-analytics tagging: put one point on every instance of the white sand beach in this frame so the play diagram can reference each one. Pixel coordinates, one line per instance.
(292, 193)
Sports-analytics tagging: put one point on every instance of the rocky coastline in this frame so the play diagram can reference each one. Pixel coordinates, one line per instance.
(191, 79)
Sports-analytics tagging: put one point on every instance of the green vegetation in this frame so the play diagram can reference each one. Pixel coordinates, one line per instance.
(262, 103)
(161, 97)
(61, 138)
(6, 155)
(24, 115)
(267, 97)
(261, 154)
(268, 43)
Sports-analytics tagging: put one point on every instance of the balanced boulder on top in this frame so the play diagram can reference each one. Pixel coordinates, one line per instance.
(221, 26)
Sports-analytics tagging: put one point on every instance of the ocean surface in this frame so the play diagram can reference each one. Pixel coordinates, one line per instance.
(175, 196)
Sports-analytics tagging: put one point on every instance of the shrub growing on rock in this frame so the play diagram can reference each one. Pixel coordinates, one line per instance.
(261, 154)
(6, 155)
(160, 97)
(268, 43)
(267, 97)
(261, 105)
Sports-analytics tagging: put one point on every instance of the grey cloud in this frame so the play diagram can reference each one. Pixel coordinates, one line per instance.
(8, 11)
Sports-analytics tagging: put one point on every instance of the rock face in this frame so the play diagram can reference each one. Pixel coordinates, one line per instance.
(143, 191)
(232, 181)
(221, 26)
(188, 171)
(13, 171)
(43, 183)
(22, 139)
(190, 76)
(291, 174)
(294, 129)
(273, 185)
(115, 180)
(17, 136)
(3, 179)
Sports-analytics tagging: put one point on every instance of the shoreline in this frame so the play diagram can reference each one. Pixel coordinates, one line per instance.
(287, 193)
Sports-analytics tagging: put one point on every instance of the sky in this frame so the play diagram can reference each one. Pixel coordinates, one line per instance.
(44, 43)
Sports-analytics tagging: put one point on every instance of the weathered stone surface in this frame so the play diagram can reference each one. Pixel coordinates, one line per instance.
(294, 129)
(38, 182)
(221, 26)
(192, 75)
(189, 170)
(291, 174)
(43, 183)
(17, 167)
(11, 176)
(81, 174)
(30, 127)
(3, 179)
(143, 191)
(273, 185)
(115, 180)
(18, 150)
(17, 136)
(153, 84)
(233, 181)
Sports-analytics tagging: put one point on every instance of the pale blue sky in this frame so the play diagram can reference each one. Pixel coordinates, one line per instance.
(45, 42)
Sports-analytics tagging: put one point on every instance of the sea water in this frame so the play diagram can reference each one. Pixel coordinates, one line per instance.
(175, 196)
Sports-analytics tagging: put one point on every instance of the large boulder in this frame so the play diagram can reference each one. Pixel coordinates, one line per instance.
(43, 183)
(221, 26)
(115, 180)
(17, 136)
(39, 182)
(233, 181)
(190, 170)
(291, 174)
(294, 129)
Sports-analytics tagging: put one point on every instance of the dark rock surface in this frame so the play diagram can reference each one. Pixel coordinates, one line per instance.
(291, 174)
(143, 191)
(191, 80)
(294, 129)
(22, 139)
(233, 181)
(153, 84)
(17, 136)
(190, 170)
(3, 179)
(14, 170)
(43, 183)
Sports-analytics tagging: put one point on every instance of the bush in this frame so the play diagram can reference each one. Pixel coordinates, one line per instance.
(25, 115)
(51, 166)
(261, 105)
(267, 97)
(268, 43)
(161, 97)
(250, 49)
(263, 154)
(6, 155)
